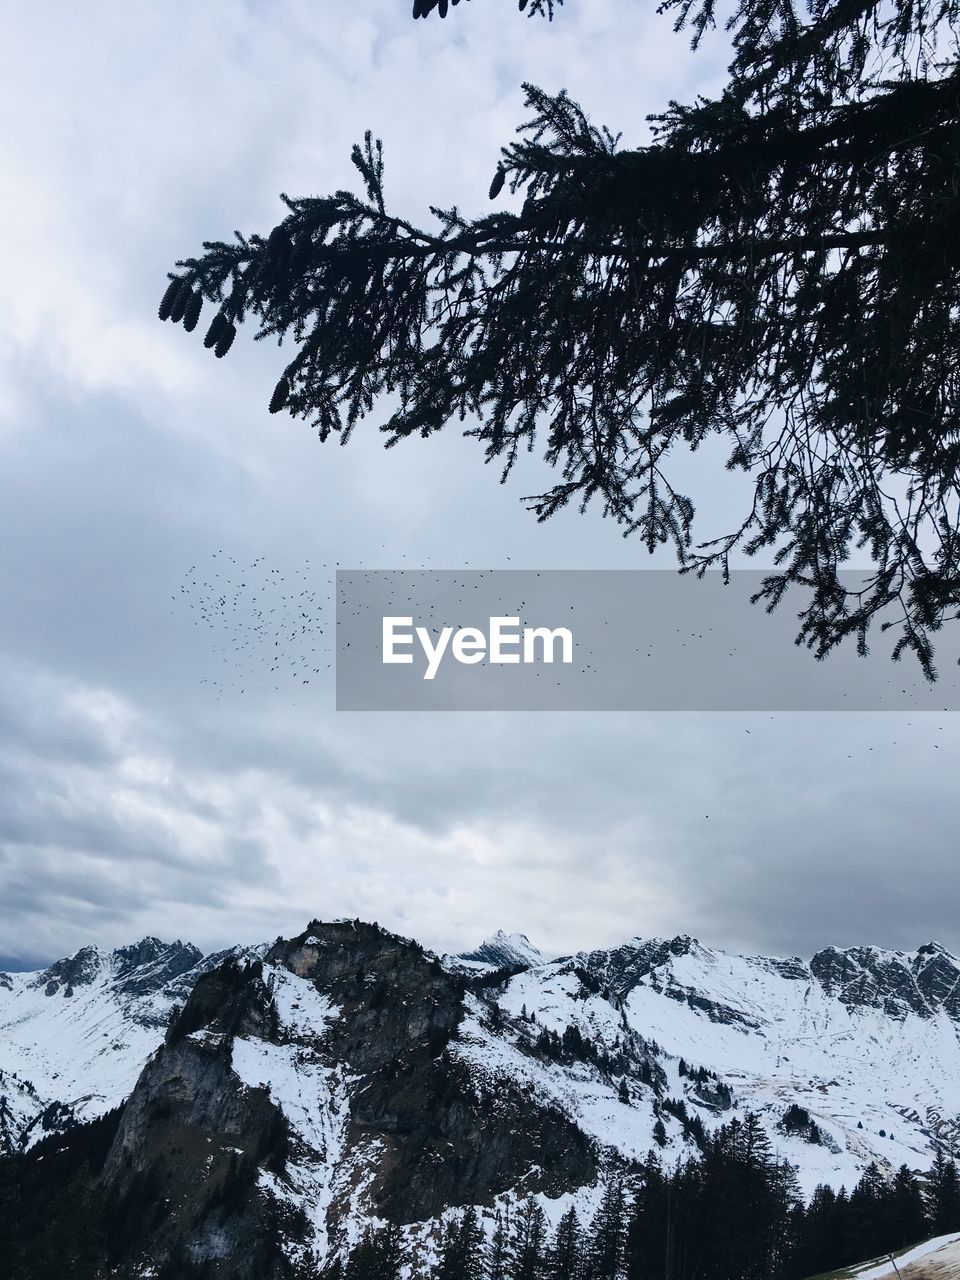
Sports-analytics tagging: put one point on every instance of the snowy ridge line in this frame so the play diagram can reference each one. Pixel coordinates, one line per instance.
(862, 1041)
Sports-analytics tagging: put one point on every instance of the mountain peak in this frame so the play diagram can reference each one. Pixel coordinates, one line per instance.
(77, 970)
(935, 949)
(150, 949)
(895, 981)
(136, 969)
(148, 965)
(503, 950)
(519, 940)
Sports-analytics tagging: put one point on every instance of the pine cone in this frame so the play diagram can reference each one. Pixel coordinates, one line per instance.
(217, 325)
(280, 393)
(300, 254)
(192, 311)
(184, 294)
(496, 186)
(278, 245)
(225, 341)
(166, 302)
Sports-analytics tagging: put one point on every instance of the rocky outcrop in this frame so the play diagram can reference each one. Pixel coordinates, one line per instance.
(223, 1155)
(150, 965)
(898, 984)
(78, 970)
(191, 1141)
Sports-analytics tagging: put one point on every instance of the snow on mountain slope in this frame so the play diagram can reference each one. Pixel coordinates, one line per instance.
(864, 1040)
(577, 1089)
(74, 1037)
(499, 951)
(853, 1038)
(311, 1094)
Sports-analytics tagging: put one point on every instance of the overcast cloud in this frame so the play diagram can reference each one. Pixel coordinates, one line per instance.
(140, 790)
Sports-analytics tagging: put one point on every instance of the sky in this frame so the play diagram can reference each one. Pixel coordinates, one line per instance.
(154, 778)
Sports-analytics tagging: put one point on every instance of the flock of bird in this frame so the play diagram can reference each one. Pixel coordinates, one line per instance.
(277, 627)
(281, 623)
(265, 621)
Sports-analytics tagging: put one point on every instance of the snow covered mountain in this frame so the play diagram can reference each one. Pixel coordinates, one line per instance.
(499, 951)
(864, 1040)
(347, 1076)
(74, 1037)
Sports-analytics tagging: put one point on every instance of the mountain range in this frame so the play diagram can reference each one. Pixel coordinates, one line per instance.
(268, 1103)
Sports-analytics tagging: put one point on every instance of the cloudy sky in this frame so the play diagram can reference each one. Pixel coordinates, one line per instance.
(155, 775)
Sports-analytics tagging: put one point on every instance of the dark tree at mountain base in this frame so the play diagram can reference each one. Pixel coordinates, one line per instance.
(732, 1213)
(944, 1197)
(777, 269)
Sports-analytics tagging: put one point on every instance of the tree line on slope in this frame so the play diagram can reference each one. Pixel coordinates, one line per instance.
(733, 1212)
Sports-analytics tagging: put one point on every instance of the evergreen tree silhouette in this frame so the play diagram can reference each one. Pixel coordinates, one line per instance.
(565, 1259)
(944, 1196)
(530, 1243)
(776, 271)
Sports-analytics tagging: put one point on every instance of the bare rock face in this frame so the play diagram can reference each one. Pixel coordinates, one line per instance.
(938, 978)
(867, 977)
(150, 965)
(185, 1161)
